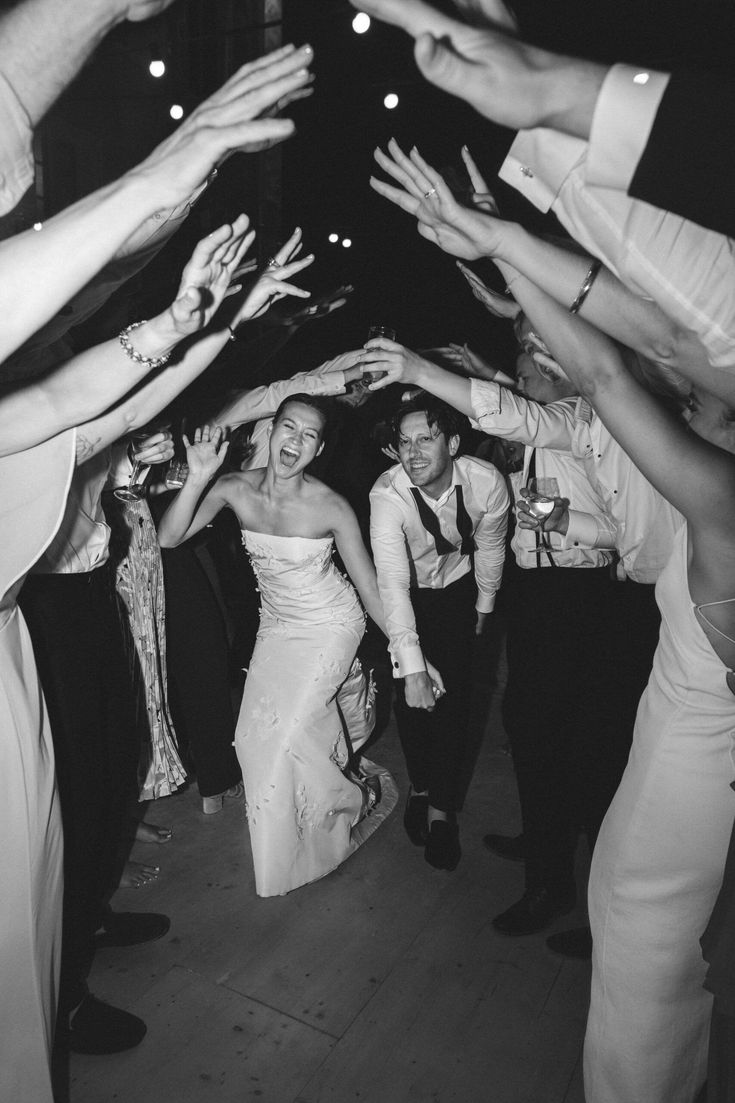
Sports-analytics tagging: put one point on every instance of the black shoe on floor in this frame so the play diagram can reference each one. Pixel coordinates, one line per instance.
(414, 819)
(576, 943)
(442, 850)
(512, 847)
(131, 928)
(96, 1027)
(532, 913)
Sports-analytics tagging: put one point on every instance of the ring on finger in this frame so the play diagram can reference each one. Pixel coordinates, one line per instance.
(431, 191)
(273, 262)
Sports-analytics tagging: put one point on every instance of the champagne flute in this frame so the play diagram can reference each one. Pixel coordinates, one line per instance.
(135, 490)
(378, 331)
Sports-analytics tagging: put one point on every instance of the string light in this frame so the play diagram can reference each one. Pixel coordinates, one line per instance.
(176, 111)
(346, 242)
(157, 67)
(391, 101)
(334, 238)
(361, 23)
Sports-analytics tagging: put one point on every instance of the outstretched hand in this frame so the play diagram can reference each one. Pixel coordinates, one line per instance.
(234, 118)
(272, 284)
(205, 454)
(208, 275)
(502, 306)
(485, 65)
(466, 232)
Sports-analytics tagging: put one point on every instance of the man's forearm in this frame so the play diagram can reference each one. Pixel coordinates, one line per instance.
(44, 43)
(450, 388)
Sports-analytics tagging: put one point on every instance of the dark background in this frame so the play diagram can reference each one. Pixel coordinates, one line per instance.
(115, 113)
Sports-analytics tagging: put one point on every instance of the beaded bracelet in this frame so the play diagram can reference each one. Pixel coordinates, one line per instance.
(150, 362)
(587, 282)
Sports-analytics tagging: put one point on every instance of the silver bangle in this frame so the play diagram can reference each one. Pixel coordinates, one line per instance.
(587, 282)
(149, 362)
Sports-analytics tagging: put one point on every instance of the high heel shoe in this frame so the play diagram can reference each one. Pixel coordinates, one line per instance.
(210, 805)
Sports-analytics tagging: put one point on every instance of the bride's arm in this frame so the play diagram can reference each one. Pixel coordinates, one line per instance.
(194, 507)
(354, 555)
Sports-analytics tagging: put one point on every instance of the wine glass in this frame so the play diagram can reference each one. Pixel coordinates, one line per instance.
(378, 331)
(135, 490)
(540, 495)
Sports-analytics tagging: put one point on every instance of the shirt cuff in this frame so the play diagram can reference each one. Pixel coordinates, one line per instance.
(485, 400)
(332, 382)
(409, 660)
(624, 115)
(485, 603)
(582, 531)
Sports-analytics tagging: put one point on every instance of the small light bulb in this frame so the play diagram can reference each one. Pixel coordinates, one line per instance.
(157, 67)
(391, 101)
(346, 242)
(38, 226)
(176, 111)
(641, 78)
(361, 23)
(334, 238)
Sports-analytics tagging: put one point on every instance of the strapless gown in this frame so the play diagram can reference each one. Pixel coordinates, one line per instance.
(304, 686)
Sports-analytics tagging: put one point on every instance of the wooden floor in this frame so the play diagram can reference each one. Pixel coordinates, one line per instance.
(382, 983)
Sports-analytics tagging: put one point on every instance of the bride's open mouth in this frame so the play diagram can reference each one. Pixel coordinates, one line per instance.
(289, 457)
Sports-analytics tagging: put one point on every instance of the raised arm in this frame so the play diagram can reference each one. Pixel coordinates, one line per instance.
(695, 476)
(195, 506)
(40, 271)
(507, 81)
(98, 378)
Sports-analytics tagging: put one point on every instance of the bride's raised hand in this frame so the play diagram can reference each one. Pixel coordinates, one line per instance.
(208, 275)
(463, 232)
(205, 454)
(272, 283)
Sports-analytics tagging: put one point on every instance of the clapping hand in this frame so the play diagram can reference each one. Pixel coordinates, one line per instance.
(272, 284)
(465, 232)
(206, 454)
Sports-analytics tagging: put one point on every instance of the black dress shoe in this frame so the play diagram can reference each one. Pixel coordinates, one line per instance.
(442, 850)
(131, 928)
(512, 847)
(534, 911)
(96, 1027)
(576, 943)
(414, 819)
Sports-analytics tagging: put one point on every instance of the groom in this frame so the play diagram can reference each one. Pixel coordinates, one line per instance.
(437, 527)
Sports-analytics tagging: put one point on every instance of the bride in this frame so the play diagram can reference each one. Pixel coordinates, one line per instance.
(306, 811)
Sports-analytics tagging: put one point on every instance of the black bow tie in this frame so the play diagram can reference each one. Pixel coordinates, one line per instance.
(430, 522)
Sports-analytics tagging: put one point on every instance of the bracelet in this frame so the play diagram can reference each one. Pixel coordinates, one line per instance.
(587, 282)
(149, 362)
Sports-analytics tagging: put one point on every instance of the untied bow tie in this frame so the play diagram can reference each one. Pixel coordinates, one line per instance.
(430, 522)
